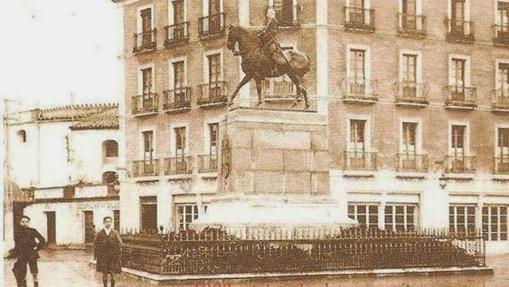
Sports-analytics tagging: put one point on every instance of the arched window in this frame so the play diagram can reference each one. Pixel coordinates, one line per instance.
(110, 148)
(22, 134)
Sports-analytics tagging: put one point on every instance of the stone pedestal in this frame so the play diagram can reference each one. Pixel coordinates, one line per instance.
(274, 170)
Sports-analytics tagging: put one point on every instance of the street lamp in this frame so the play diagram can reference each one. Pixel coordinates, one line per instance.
(442, 180)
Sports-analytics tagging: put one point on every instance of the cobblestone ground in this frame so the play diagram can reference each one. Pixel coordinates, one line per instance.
(65, 268)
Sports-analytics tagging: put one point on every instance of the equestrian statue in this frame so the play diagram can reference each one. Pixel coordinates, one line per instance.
(262, 57)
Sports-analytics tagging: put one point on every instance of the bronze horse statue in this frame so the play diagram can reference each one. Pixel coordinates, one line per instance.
(257, 65)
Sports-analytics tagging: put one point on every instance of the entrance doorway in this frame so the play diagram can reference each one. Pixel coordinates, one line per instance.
(148, 210)
(51, 227)
(88, 224)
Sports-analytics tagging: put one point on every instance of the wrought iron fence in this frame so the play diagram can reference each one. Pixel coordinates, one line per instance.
(357, 18)
(359, 89)
(460, 164)
(501, 164)
(145, 41)
(411, 25)
(408, 162)
(207, 163)
(145, 167)
(211, 25)
(411, 93)
(501, 34)
(459, 30)
(213, 251)
(460, 96)
(178, 165)
(501, 98)
(146, 103)
(278, 89)
(214, 93)
(177, 99)
(359, 161)
(177, 33)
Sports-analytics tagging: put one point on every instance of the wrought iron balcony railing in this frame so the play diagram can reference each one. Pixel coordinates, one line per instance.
(359, 90)
(411, 93)
(148, 167)
(147, 103)
(177, 33)
(274, 89)
(409, 162)
(211, 25)
(178, 99)
(178, 165)
(501, 98)
(459, 31)
(359, 161)
(460, 97)
(411, 25)
(459, 164)
(359, 19)
(501, 34)
(145, 41)
(501, 164)
(213, 94)
(207, 163)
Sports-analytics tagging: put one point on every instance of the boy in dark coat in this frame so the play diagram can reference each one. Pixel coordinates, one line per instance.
(26, 250)
(107, 246)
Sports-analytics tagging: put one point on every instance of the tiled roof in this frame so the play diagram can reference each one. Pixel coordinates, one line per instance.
(106, 119)
(73, 112)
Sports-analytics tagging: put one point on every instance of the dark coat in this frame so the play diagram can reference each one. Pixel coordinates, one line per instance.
(107, 249)
(26, 244)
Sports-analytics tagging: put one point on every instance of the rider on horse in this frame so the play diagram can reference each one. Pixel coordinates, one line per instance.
(270, 46)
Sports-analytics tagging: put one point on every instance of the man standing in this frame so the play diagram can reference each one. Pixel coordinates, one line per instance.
(26, 250)
(107, 246)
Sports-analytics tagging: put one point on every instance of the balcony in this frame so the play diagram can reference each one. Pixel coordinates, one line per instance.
(359, 91)
(501, 34)
(207, 163)
(408, 162)
(359, 161)
(459, 164)
(146, 104)
(212, 25)
(145, 41)
(143, 168)
(178, 165)
(501, 100)
(459, 97)
(412, 26)
(177, 100)
(176, 34)
(213, 94)
(459, 31)
(278, 90)
(359, 19)
(501, 164)
(411, 94)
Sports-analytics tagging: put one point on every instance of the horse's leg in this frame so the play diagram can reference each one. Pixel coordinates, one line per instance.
(244, 81)
(259, 91)
(301, 91)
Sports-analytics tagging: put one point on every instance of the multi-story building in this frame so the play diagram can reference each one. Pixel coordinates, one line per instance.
(62, 166)
(416, 94)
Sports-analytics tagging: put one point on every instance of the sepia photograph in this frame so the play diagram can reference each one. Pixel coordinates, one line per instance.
(254, 143)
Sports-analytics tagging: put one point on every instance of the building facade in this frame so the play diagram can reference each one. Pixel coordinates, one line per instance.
(416, 94)
(63, 165)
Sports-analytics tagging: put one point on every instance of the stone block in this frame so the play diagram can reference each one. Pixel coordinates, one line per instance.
(269, 182)
(267, 159)
(272, 139)
(321, 161)
(298, 182)
(319, 141)
(241, 159)
(298, 160)
(242, 182)
(241, 138)
(320, 183)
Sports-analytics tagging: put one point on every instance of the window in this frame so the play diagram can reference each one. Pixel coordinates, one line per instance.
(357, 64)
(409, 138)
(284, 11)
(186, 214)
(110, 179)
(110, 148)
(400, 217)
(409, 68)
(214, 62)
(365, 214)
(213, 138)
(148, 145)
(503, 17)
(503, 142)
(146, 84)
(457, 14)
(409, 12)
(178, 11)
(116, 219)
(180, 141)
(357, 135)
(146, 27)
(458, 140)
(179, 80)
(22, 135)
(462, 219)
(148, 213)
(503, 79)
(494, 222)
(458, 74)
